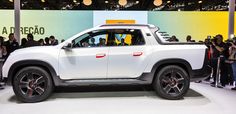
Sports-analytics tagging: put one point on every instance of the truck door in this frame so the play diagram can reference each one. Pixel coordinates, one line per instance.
(128, 53)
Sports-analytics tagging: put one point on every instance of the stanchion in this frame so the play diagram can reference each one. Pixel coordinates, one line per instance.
(218, 71)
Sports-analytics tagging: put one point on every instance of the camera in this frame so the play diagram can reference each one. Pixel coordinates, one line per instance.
(213, 40)
(228, 42)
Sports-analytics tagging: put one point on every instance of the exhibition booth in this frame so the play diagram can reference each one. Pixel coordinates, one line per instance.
(117, 56)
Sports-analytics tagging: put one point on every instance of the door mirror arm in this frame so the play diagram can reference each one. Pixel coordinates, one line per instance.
(67, 46)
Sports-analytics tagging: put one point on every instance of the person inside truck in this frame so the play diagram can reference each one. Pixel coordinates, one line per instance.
(112, 42)
(102, 42)
(93, 42)
(122, 42)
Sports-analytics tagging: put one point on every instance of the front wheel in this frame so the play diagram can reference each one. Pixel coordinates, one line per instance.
(32, 84)
(171, 82)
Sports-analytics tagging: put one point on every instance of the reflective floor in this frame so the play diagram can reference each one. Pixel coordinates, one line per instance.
(200, 99)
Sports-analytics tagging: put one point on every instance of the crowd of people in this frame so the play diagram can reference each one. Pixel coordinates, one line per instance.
(222, 59)
(7, 47)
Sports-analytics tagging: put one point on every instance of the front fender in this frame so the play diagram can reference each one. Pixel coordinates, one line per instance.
(20, 64)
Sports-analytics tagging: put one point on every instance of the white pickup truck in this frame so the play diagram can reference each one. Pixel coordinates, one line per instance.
(105, 55)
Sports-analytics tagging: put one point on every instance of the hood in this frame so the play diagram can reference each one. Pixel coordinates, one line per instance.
(35, 49)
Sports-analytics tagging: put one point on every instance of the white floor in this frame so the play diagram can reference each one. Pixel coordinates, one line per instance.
(201, 99)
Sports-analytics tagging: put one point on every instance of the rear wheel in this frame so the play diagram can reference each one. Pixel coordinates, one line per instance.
(32, 84)
(171, 82)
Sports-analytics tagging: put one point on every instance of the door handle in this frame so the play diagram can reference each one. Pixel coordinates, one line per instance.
(101, 55)
(137, 53)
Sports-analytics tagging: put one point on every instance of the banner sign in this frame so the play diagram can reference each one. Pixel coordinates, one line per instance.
(64, 24)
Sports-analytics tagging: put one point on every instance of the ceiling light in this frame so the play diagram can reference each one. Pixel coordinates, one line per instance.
(137, 2)
(157, 2)
(87, 2)
(232, 36)
(200, 2)
(43, 1)
(168, 2)
(10, 0)
(122, 2)
(106, 2)
(74, 1)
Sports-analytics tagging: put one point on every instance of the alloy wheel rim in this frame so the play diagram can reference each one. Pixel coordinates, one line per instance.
(32, 84)
(172, 82)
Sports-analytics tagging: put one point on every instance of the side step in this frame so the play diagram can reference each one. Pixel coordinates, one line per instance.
(87, 82)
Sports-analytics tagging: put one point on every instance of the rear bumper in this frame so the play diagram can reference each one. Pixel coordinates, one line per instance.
(201, 74)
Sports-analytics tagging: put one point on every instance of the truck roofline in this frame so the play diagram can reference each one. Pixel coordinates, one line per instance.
(138, 25)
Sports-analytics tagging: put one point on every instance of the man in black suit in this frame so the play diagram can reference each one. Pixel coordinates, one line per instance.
(31, 42)
(11, 44)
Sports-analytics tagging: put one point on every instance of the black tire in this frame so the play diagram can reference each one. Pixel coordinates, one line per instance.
(32, 84)
(171, 82)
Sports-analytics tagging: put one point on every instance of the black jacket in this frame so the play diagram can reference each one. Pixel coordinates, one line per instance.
(11, 46)
(32, 43)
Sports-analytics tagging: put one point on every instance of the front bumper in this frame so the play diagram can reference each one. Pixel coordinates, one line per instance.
(201, 74)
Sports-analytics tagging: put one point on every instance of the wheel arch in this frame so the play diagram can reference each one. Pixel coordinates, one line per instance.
(178, 62)
(21, 64)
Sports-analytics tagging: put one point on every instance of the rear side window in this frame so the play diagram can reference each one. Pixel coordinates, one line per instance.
(126, 37)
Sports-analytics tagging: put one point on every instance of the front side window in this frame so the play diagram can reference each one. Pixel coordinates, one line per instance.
(97, 38)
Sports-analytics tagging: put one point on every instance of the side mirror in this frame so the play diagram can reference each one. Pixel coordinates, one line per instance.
(67, 46)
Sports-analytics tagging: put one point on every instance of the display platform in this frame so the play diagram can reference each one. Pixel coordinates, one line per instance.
(200, 99)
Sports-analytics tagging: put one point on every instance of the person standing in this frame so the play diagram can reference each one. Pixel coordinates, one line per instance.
(189, 38)
(23, 42)
(173, 39)
(31, 42)
(3, 53)
(63, 40)
(3, 50)
(41, 42)
(11, 44)
(232, 58)
(46, 41)
(53, 40)
(219, 50)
